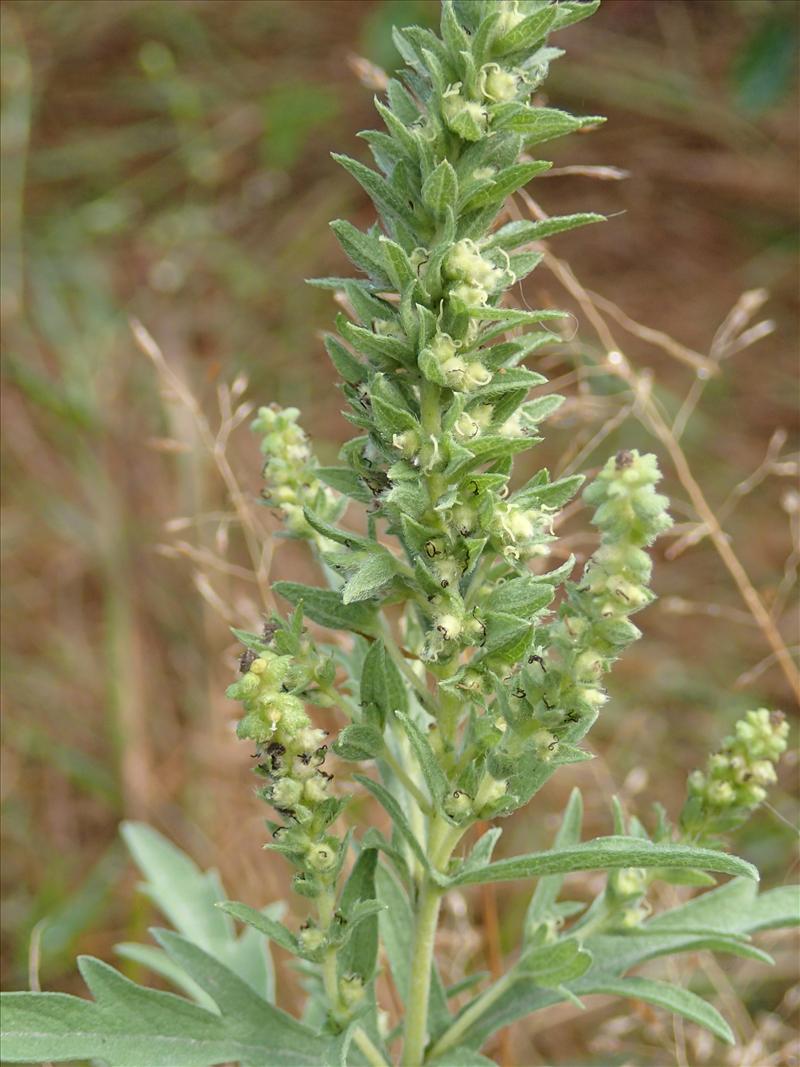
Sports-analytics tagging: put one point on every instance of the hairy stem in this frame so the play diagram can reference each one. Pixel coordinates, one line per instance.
(452, 1036)
(442, 841)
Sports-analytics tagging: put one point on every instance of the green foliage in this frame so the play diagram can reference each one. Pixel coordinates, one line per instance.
(470, 673)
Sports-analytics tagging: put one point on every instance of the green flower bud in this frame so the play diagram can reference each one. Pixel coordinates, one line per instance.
(286, 793)
(458, 806)
(498, 85)
(351, 990)
(465, 117)
(321, 859)
(311, 940)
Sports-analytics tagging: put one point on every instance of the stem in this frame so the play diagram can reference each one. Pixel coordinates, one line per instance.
(425, 935)
(453, 1035)
(443, 839)
(372, 1054)
(406, 779)
(330, 978)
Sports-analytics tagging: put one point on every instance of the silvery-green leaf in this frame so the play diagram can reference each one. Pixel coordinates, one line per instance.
(432, 772)
(382, 685)
(608, 853)
(359, 742)
(265, 924)
(325, 607)
(440, 189)
(665, 995)
(547, 889)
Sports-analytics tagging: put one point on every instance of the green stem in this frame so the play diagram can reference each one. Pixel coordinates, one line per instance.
(326, 904)
(372, 1054)
(406, 779)
(453, 1035)
(430, 899)
(443, 839)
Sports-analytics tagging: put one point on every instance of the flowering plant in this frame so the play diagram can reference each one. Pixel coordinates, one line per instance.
(466, 670)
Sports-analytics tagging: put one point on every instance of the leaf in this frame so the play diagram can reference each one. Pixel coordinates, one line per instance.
(346, 481)
(401, 824)
(360, 952)
(382, 194)
(663, 995)
(549, 495)
(540, 124)
(528, 32)
(361, 249)
(523, 597)
(383, 689)
(265, 925)
(524, 231)
(129, 1025)
(359, 742)
(735, 907)
(429, 765)
(347, 365)
(552, 965)
(506, 183)
(394, 923)
(440, 189)
(324, 606)
(187, 897)
(370, 577)
(548, 888)
(507, 380)
(569, 12)
(607, 853)
(157, 961)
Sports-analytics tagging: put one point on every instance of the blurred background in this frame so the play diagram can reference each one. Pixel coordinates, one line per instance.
(168, 160)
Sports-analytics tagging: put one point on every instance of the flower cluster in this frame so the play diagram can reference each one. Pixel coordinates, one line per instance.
(290, 471)
(279, 673)
(736, 778)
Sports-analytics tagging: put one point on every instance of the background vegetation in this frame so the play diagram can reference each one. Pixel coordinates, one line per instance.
(168, 160)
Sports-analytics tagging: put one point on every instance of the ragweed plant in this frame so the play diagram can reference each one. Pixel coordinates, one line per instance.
(468, 670)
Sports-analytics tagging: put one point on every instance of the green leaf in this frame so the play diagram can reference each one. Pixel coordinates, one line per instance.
(394, 923)
(521, 231)
(324, 606)
(506, 183)
(432, 772)
(265, 925)
(552, 965)
(187, 897)
(549, 494)
(607, 853)
(346, 364)
(541, 124)
(523, 597)
(398, 264)
(360, 952)
(440, 189)
(129, 1025)
(527, 33)
(547, 888)
(401, 823)
(383, 690)
(361, 249)
(735, 908)
(346, 481)
(157, 961)
(382, 194)
(569, 12)
(663, 995)
(370, 576)
(359, 742)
